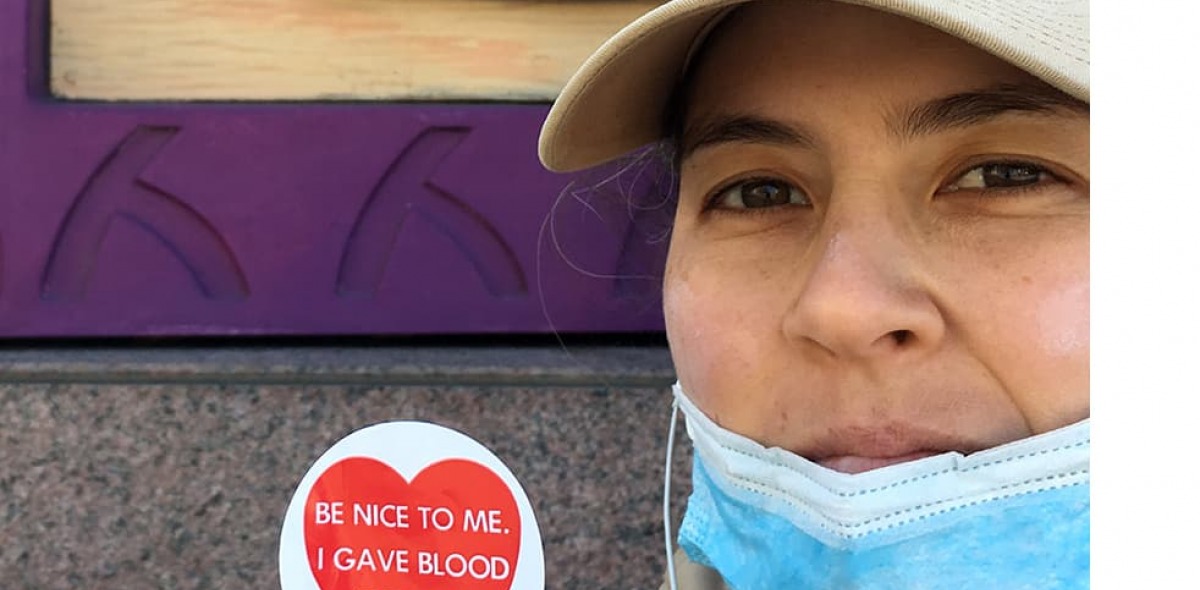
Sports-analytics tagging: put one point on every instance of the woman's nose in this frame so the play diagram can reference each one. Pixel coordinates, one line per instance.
(863, 294)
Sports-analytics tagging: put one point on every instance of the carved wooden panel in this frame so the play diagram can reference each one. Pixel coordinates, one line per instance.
(303, 218)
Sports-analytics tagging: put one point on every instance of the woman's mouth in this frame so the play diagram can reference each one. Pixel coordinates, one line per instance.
(858, 464)
(864, 447)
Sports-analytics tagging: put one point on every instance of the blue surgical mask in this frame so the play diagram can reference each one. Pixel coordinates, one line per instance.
(1015, 516)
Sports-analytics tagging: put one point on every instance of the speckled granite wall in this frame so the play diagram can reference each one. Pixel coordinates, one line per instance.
(172, 469)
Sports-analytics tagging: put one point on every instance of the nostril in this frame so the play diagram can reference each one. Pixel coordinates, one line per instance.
(901, 336)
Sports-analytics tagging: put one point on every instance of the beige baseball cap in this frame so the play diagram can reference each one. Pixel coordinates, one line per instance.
(614, 104)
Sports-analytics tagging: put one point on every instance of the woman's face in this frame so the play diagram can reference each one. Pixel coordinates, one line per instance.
(881, 245)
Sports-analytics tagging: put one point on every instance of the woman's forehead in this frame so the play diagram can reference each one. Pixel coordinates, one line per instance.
(804, 55)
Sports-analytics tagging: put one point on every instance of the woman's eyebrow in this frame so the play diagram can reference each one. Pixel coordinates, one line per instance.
(940, 114)
(970, 108)
(742, 128)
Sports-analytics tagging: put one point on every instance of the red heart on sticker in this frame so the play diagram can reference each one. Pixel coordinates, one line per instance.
(455, 526)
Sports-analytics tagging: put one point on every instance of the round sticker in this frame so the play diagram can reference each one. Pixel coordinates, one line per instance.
(410, 505)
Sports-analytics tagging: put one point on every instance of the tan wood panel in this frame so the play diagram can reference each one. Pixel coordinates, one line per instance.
(325, 49)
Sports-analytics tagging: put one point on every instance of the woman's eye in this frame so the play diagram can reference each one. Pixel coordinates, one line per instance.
(759, 194)
(999, 176)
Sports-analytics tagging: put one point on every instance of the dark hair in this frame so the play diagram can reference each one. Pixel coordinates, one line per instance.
(641, 186)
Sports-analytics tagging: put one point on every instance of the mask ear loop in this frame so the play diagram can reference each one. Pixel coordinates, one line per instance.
(671, 581)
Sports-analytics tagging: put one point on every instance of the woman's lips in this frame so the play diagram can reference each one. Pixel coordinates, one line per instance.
(862, 447)
(857, 464)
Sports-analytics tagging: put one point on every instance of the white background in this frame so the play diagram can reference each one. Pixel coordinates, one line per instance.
(1145, 299)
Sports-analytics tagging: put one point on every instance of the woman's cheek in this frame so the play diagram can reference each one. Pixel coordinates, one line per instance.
(1063, 340)
(690, 334)
(708, 339)
(1063, 322)
(1038, 345)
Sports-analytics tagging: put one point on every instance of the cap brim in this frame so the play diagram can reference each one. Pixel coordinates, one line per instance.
(615, 101)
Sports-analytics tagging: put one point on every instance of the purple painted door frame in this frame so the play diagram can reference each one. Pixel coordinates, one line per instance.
(122, 219)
